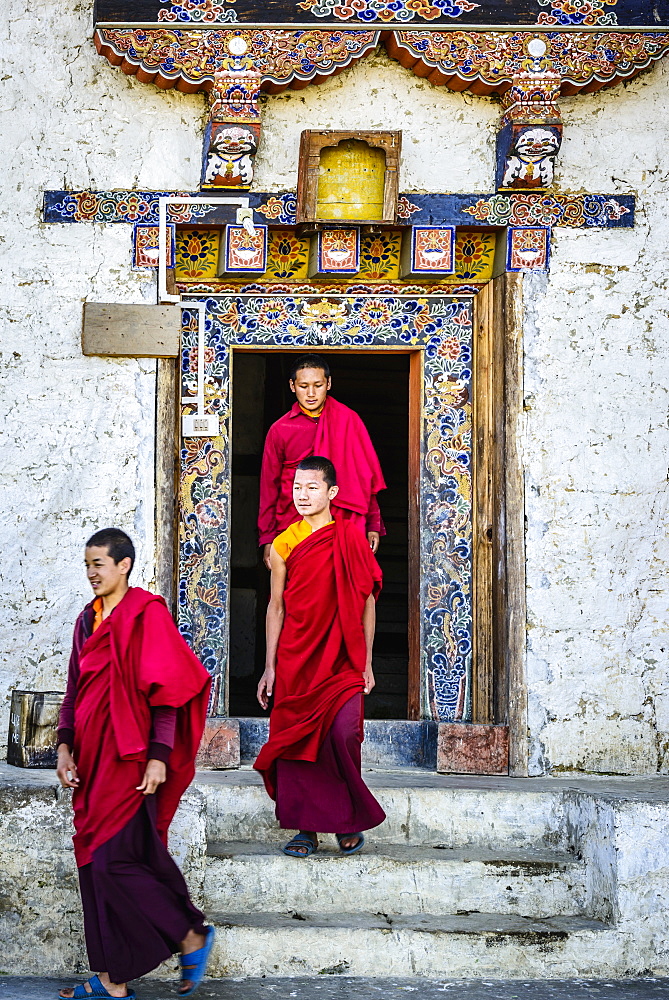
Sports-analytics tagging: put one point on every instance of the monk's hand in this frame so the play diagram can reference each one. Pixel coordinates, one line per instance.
(66, 769)
(154, 776)
(266, 686)
(368, 678)
(373, 538)
(265, 555)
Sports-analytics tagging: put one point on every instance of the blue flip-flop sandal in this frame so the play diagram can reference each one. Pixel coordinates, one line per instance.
(194, 966)
(97, 990)
(292, 847)
(346, 836)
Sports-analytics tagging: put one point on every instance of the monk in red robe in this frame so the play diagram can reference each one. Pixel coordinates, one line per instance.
(319, 425)
(320, 631)
(129, 730)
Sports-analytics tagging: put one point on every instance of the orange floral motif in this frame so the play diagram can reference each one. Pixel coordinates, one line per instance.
(375, 312)
(288, 256)
(197, 254)
(380, 256)
(273, 313)
(474, 254)
(449, 348)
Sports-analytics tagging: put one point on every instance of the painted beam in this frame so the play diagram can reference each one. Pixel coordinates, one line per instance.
(607, 14)
(573, 211)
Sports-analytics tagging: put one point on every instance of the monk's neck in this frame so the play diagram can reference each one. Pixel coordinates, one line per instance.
(314, 413)
(110, 601)
(317, 521)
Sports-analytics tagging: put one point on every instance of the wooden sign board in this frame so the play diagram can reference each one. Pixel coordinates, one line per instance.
(129, 331)
(514, 14)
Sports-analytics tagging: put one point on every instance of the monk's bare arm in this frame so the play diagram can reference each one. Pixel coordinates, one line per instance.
(274, 624)
(369, 627)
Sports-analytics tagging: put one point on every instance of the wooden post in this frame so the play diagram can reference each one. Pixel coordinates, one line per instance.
(499, 685)
(514, 497)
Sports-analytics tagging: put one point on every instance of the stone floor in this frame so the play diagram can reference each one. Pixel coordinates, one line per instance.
(344, 988)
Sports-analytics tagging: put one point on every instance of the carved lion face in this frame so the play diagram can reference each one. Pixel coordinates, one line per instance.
(537, 142)
(235, 140)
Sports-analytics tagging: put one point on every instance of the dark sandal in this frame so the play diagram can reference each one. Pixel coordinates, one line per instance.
(195, 964)
(97, 990)
(347, 836)
(299, 841)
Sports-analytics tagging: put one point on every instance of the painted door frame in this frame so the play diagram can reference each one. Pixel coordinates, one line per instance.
(499, 692)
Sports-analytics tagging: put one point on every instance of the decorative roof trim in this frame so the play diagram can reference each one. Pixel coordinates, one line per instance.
(187, 59)
(481, 62)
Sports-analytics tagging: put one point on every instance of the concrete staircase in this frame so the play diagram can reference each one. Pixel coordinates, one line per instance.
(463, 879)
(467, 878)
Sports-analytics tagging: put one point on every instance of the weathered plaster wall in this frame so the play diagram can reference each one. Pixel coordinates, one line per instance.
(76, 446)
(76, 434)
(447, 141)
(597, 376)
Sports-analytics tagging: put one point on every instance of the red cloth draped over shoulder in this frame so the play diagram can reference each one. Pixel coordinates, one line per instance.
(321, 653)
(343, 438)
(135, 660)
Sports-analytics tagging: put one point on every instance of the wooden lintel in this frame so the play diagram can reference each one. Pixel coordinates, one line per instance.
(131, 331)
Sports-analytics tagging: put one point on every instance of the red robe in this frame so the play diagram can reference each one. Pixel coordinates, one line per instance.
(322, 652)
(134, 661)
(338, 434)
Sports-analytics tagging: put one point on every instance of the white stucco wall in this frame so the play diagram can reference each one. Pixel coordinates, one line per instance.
(76, 445)
(76, 434)
(597, 378)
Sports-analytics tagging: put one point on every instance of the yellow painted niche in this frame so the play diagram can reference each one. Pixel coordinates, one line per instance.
(351, 179)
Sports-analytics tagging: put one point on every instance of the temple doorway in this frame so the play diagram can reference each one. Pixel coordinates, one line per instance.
(405, 364)
(376, 386)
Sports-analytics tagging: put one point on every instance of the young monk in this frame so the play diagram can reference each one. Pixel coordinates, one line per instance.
(129, 729)
(318, 424)
(320, 630)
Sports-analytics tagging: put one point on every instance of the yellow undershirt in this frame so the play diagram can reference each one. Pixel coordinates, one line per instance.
(313, 413)
(291, 537)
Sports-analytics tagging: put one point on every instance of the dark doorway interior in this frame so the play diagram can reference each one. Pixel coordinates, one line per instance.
(377, 387)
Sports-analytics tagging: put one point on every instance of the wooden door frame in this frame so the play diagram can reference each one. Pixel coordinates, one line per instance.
(499, 680)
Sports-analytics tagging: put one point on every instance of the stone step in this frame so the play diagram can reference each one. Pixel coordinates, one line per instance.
(423, 809)
(256, 877)
(474, 945)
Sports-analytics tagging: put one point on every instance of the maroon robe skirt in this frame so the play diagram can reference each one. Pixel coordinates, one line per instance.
(137, 909)
(329, 795)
